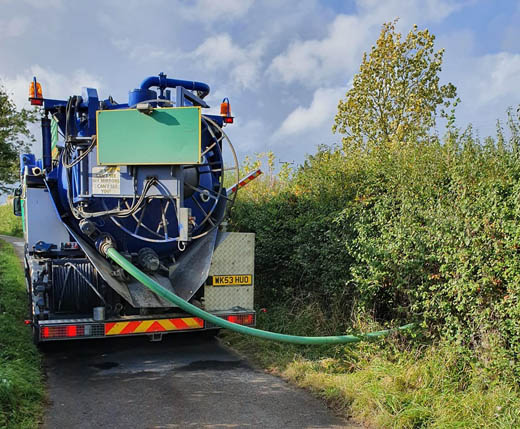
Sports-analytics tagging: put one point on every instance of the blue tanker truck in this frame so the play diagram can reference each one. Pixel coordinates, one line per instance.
(146, 178)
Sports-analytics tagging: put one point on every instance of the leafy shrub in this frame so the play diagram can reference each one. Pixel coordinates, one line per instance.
(426, 232)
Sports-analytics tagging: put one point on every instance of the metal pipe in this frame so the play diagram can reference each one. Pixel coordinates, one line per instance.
(163, 82)
(195, 311)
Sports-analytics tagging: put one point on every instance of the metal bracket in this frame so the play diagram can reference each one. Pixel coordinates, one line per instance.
(183, 94)
(145, 108)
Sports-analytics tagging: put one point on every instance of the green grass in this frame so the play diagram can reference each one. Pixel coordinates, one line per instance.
(21, 385)
(9, 223)
(386, 384)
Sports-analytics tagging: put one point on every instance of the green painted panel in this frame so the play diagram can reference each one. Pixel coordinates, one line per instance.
(166, 136)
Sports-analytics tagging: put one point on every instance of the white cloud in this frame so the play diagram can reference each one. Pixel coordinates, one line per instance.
(220, 54)
(248, 136)
(319, 114)
(495, 77)
(14, 27)
(313, 61)
(39, 4)
(487, 86)
(335, 56)
(409, 11)
(212, 10)
(144, 52)
(54, 85)
(298, 53)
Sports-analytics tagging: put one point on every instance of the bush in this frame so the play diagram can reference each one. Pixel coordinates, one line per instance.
(426, 232)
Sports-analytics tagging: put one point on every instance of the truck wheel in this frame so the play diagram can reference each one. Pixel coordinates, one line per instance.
(36, 334)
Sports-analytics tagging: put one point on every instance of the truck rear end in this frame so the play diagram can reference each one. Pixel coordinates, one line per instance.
(145, 177)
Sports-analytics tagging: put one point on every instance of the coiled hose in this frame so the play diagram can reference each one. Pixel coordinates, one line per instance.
(155, 287)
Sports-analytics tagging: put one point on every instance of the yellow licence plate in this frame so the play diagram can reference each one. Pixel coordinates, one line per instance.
(232, 280)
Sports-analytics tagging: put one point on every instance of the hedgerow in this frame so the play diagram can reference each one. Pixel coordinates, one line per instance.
(427, 232)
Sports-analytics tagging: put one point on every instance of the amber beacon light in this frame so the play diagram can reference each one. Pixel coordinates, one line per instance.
(35, 93)
(225, 111)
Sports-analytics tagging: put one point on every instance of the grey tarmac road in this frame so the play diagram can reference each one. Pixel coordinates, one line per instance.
(185, 381)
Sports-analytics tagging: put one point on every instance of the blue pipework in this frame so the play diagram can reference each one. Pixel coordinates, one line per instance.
(139, 95)
(163, 82)
(76, 119)
(144, 93)
(89, 102)
(82, 121)
(46, 144)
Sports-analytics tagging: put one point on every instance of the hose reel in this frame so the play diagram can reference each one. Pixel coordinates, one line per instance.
(154, 228)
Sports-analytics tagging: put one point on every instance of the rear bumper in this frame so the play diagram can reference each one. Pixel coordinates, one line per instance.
(86, 328)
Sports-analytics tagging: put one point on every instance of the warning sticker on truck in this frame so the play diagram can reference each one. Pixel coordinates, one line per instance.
(232, 280)
(106, 180)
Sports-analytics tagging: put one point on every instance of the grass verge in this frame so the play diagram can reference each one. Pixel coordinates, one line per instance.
(385, 385)
(9, 223)
(21, 384)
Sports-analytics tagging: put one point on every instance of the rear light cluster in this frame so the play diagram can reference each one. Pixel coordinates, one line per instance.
(85, 330)
(241, 319)
(70, 331)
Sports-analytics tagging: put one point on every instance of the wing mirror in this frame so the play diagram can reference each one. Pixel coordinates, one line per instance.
(17, 202)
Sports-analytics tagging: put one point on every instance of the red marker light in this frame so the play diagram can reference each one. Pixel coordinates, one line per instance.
(228, 119)
(241, 319)
(232, 319)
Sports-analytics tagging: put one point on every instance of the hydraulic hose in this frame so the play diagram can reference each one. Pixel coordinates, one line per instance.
(155, 287)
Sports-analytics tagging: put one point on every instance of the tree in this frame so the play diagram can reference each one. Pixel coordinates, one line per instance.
(15, 137)
(396, 94)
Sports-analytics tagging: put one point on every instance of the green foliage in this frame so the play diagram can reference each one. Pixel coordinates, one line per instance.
(14, 138)
(9, 223)
(389, 383)
(424, 232)
(396, 94)
(21, 386)
(396, 226)
(432, 389)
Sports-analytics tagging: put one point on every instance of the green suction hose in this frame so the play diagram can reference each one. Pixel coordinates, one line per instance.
(195, 311)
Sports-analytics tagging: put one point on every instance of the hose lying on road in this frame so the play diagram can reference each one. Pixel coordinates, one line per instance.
(195, 311)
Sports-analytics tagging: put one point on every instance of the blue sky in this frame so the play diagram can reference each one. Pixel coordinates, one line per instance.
(283, 64)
